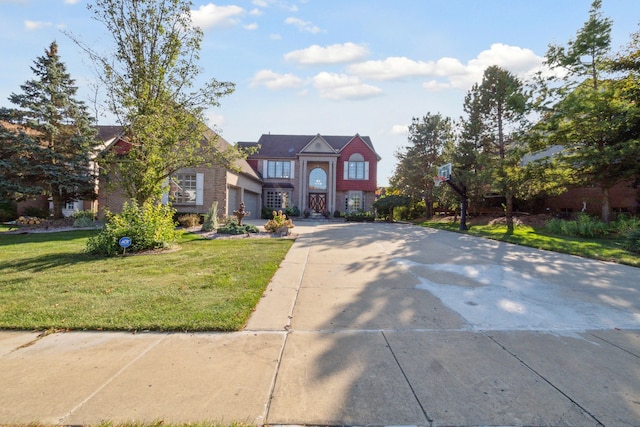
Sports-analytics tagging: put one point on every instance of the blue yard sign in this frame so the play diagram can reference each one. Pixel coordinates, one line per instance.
(124, 242)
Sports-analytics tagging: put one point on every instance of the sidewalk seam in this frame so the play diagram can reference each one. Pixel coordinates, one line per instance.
(286, 337)
(113, 377)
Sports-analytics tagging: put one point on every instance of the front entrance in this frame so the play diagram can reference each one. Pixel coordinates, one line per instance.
(318, 202)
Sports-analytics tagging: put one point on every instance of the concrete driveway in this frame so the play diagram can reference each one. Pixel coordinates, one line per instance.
(363, 324)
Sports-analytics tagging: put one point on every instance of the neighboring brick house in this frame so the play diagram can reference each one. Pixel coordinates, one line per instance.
(191, 190)
(316, 172)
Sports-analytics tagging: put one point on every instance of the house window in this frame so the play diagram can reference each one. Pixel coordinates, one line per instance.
(70, 206)
(278, 169)
(277, 199)
(318, 180)
(184, 188)
(356, 168)
(355, 201)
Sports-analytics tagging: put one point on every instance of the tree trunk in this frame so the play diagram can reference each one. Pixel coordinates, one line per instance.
(56, 197)
(463, 213)
(428, 207)
(606, 205)
(509, 212)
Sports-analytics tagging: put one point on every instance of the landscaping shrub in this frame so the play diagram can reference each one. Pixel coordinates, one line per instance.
(232, 227)
(279, 220)
(7, 211)
(36, 212)
(337, 214)
(292, 211)
(210, 222)
(582, 226)
(631, 240)
(85, 218)
(149, 227)
(360, 216)
(189, 220)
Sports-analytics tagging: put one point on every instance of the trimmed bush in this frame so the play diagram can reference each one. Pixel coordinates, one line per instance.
(36, 212)
(149, 227)
(360, 216)
(189, 220)
(210, 222)
(7, 211)
(84, 218)
(232, 227)
(279, 220)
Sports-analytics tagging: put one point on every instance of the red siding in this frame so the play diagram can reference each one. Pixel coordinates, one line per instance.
(357, 146)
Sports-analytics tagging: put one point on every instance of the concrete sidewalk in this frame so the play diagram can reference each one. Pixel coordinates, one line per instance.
(363, 324)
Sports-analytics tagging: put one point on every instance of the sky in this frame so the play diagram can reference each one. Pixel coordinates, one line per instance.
(329, 67)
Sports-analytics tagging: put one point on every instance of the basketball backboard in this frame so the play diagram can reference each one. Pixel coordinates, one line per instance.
(444, 171)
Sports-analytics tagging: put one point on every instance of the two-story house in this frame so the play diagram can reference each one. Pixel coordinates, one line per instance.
(316, 172)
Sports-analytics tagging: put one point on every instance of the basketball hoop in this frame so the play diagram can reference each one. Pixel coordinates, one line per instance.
(437, 180)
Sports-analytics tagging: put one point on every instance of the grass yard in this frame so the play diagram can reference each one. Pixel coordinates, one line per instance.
(601, 249)
(48, 282)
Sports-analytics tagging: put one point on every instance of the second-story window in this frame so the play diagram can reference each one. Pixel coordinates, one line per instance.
(278, 169)
(356, 168)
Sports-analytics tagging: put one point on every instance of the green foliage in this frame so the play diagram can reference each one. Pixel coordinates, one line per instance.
(210, 222)
(7, 211)
(587, 226)
(189, 220)
(232, 227)
(46, 143)
(360, 216)
(278, 221)
(149, 227)
(337, 214)
(631, 240)
(84, 218)
(151, 80)
(36, 212)
(385, 206)
(292, 211)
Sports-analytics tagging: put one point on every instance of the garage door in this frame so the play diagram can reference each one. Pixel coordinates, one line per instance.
(234, 204)
(251, 204)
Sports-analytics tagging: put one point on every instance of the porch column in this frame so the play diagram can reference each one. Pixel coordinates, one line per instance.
(334, 179)
(305, 187)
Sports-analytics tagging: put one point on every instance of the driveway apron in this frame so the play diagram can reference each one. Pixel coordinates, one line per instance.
(366, 324)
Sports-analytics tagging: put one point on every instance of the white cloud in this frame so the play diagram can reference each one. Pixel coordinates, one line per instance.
(453, 73)
(251, 27)
(342, 86)
(274, 80)
(71, 1)
(303, 25)
(255, 12)
(275, 37)
(399, 130)
(260, 3)
(435, 86)
(211, 15)
(333, 54)
(36, 25)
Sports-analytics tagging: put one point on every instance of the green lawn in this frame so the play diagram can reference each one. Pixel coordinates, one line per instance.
(48, 282)
(601, 249)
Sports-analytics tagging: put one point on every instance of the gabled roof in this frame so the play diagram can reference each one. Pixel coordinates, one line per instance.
(288, 146)
(111, 135)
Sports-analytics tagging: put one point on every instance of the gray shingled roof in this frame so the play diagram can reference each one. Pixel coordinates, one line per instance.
(288, 146)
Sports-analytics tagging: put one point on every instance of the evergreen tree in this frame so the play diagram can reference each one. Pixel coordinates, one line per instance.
(502, 103)
(414, 171)
(589, 113)
(48, 141)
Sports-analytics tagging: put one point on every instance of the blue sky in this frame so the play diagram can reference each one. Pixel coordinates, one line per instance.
(327, 66)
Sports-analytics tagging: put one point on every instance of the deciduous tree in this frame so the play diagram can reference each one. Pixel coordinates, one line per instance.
(150, 87)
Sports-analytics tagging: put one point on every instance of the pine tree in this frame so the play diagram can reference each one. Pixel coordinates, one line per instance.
(49, 137)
